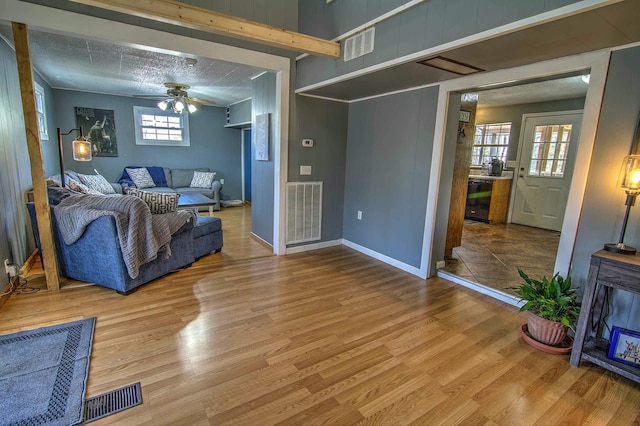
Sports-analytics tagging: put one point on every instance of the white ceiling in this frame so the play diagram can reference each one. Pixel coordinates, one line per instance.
(542, 91)
(104, 67)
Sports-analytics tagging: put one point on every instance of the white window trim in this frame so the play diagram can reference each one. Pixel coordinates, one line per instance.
(139, 110)
(44, 131)
(506, 156)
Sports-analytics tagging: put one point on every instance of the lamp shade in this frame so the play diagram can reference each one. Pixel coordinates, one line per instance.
(629, 177)
(81, 150)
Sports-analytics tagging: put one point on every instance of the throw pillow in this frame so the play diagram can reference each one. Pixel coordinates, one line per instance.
(202, 179)
(72, 184)
(141, 177)
(158, 202)
(98, 183)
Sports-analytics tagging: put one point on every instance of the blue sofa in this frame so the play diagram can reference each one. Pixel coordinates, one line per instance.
(97, 257)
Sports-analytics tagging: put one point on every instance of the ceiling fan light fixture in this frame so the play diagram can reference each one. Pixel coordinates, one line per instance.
(163, 105)
(178, 106)
(192, 108)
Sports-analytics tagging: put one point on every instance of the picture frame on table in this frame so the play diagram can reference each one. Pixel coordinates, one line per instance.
(624, 346)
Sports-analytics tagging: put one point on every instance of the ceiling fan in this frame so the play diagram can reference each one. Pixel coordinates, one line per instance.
(178, 99)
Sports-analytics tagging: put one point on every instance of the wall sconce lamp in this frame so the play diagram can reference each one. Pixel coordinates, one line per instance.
(81, 150)
(629, 180)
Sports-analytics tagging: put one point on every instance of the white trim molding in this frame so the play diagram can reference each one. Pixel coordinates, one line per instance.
(480, 288)
(315, 246)
(383, 258)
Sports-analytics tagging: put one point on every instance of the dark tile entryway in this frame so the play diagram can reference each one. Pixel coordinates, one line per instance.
(491, 254)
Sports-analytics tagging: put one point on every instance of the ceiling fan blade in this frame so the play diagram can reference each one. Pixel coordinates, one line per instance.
(203, 101)
(196, 103)
(150, 96)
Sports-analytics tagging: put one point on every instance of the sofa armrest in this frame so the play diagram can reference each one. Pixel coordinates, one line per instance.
(216, 187)
(117, 187)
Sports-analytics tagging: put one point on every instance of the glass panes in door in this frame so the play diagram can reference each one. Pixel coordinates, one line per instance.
(549, 150)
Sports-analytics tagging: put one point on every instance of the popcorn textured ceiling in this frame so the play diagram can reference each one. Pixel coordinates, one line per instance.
(103, 67)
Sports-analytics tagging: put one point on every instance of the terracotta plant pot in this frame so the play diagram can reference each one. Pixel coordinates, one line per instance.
(545, 331)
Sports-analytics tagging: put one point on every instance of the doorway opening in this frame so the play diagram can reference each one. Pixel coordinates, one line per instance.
(515, 155)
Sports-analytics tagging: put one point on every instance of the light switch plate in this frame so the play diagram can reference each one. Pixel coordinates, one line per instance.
(307, 143)
(305, 170)
(512, 164)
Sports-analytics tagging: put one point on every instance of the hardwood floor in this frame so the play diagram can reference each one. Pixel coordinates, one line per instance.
(330, 336)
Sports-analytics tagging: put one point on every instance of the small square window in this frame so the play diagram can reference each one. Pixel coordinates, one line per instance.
(156, 127)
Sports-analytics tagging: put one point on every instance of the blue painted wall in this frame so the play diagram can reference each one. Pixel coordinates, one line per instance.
(387, 172)
(603, 207)
(212, 145)
(326, 123)
(262, 172)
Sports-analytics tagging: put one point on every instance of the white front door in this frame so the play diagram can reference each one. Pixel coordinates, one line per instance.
(547, 158)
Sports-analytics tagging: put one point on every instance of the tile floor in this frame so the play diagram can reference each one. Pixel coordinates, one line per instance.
(492, 254)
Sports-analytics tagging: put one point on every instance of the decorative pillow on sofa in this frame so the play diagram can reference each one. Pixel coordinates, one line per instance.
(158, 202)
(97, 183)
(141, 177)
(202, 179)
(72, 184)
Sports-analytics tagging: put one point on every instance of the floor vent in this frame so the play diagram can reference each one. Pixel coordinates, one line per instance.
(359, 44)
(304, 211)
(112, 402)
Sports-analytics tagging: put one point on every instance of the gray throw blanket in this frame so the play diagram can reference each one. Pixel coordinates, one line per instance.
(142, 235)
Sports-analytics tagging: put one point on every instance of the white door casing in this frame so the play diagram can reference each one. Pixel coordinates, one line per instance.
(546, 160)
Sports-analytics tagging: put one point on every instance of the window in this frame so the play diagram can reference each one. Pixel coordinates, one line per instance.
(156, 127)
(491, 140)
(41, 112)
(549, 150)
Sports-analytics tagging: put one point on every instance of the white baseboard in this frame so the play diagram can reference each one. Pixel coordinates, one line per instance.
(386, 259)
(315, 246)
(480, 288)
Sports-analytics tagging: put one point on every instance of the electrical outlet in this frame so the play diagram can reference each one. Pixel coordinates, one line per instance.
(359, 215)
(222, 181)
(440, 264)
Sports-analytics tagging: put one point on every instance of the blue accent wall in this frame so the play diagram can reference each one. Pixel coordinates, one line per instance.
(390, 141)
(247, 164)
(212, 145)
(262, 172)
(326, 123)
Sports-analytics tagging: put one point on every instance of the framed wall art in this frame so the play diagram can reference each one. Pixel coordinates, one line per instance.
(263, 132)
(99, 127)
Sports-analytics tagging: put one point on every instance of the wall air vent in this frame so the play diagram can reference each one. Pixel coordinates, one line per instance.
(304, 211)
(359, 44)
(450, 65)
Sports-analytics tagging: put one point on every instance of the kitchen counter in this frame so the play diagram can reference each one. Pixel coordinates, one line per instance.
(503, 177)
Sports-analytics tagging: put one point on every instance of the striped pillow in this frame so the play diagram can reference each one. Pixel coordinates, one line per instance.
(158, 202)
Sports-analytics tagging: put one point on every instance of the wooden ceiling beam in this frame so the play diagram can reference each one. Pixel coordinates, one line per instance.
(184, 15)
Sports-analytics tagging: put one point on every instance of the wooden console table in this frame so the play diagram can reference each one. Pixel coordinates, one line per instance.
(607, 270)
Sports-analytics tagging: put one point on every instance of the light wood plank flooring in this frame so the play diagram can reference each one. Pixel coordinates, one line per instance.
(330, 336)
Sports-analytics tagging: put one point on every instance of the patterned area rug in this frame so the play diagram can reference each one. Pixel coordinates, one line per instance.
(43, 374)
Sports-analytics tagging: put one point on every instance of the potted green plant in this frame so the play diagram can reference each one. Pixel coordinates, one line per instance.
(552, 305)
